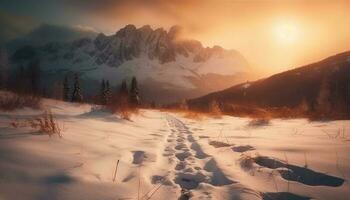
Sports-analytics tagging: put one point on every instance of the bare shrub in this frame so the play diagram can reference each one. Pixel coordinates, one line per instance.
(193, 115)
(183, 105)
(17, 123)
(244, 110)
(259, 122)
(215, 109)
(46, 123)
(247, 162)
(11, 101)
(121, 106)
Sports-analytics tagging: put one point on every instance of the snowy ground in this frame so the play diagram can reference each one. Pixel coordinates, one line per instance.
(165, 156)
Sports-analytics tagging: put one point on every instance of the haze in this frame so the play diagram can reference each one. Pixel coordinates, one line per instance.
(273, 35)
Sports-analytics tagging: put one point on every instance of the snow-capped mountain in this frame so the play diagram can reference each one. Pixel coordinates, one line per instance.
(165, 65)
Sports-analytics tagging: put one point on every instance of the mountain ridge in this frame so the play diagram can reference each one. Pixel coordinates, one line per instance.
(152, 55)
(323, 85)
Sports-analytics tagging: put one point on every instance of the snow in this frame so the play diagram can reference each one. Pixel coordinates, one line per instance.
(320, 146)
(246, 85)
(171, 74)
(167, 156)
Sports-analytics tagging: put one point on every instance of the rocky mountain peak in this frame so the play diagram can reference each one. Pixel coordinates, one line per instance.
(174, 31)
(127, 30)
(130, 42)
(160, 58)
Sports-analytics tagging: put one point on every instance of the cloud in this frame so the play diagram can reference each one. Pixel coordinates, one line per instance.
(244, 25)
(13, 26)
(84, 28)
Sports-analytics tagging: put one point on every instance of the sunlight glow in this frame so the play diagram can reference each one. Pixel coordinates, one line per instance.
(286, 33)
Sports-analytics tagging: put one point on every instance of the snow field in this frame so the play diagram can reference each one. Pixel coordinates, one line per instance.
(166, 156)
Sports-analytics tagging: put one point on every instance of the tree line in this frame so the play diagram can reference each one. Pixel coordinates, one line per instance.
(26, 79)
(105, 96)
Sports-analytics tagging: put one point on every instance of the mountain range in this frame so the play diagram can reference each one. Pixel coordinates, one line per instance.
(167, 67)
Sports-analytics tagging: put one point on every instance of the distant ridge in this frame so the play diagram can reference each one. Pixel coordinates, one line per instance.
(324, 85)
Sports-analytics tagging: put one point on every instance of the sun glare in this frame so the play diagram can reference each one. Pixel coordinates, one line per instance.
(286, 33)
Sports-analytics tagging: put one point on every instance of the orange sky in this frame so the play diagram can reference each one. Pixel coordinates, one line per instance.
(273, 35)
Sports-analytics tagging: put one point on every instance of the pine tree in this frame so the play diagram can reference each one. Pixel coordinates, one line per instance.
(33, 71)
(76, 96)
(56, 91)
(122, 101)
(108, 94)
(214, 107)
(21, 83)
(3, 68)
(347, 93)
(323, 99)
(134, 92)
(103, 93)
(153, 104)
(123, 89)
(66, 89)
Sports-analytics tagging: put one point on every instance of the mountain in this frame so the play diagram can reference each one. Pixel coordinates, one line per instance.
(168, 68)
(323, 85)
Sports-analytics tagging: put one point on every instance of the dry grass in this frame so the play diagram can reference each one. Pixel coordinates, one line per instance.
(194, 115)
(215, 109)
(339, 133)
(10, 101)
(256, 111)
(246, 161)
(121, 106)
(46, 123)
(198, 116)
(258, 122)
(244, 111)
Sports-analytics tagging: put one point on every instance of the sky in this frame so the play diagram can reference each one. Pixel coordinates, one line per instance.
(273, 35)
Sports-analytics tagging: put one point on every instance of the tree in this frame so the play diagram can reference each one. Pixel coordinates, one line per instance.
(347, 93)
(66, 89)
(122, 102)
(103, 93)
(214, 107)
(153, 104)
(33, 71)
(57, 91)
(3, 68)
(108, 94)
(19, 80)
(123, 89)
(323, 99)
(76, 96)
(183, 105)
(134, 92)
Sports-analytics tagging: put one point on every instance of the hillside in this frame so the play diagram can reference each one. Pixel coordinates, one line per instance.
(324, 85)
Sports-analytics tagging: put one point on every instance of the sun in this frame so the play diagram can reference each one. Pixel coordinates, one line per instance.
(286, 33)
